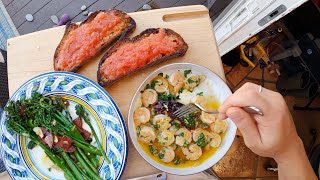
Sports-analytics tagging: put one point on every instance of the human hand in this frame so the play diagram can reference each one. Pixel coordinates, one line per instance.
(271, 135)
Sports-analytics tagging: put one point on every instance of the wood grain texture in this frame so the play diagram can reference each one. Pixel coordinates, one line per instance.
(43, 15)
(31, 8)
(99, 5)
(10, 9)
(19, 4)
(131, 5)
(32, 54)
(6, 2)
(188, 2)
(72, 9)
(165, 3)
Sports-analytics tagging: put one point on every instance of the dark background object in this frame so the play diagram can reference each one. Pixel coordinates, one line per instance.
(232, 58)
(303, 20)
(4, 91)
(310, 54)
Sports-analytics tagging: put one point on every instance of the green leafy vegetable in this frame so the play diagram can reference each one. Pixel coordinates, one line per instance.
(160, 155)
(156, 126)
(82, 113)
(185, 144)
(189, 121)
(181, 90)
(166, 96)
(177, 161)
(160, 74)
(186, 72)
(201, 141)
(152, 149)
(167, 76)
(200, 94)
(31, 145)
(190, 81)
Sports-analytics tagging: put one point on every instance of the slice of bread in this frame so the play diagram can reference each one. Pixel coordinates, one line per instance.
(128, 56)
(83, 41)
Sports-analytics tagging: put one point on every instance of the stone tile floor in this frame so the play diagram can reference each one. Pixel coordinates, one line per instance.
(240, 163)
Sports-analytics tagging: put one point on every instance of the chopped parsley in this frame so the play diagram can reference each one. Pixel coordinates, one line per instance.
(166, 96)
(189, 121)
(181, 134)
(152, 149)
(160, 74)
(138, 129)
(166, 138)
(175, 124)
(181, 90)
(167, 76)
(156, 126)
(177, 161)
(190, 81)
(200, 94)
(49, 169)
(153, 84)
(185, 144)
(160, 155)
(174, 146)
(186, 72)
(201, 140)
(31, 145)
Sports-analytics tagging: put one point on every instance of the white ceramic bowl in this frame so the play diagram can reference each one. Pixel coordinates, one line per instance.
(221, 92)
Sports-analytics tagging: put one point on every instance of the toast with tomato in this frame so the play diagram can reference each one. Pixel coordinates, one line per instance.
(81, 42)
(128, 56)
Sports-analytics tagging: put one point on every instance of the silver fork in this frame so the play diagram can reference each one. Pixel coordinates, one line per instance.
(195, 107)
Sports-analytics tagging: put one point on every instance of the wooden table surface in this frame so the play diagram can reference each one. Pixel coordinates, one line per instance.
(32, 54)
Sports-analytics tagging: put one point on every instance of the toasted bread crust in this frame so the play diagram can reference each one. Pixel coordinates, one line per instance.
(180, 52)
(72, 26)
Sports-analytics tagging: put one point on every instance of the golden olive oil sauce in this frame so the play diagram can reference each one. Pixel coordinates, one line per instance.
(206, 152)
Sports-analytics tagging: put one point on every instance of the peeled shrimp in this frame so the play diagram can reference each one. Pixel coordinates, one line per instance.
(219, 126)
(177, 81)
(192, 81)
(141, 116)
(161, 84)
(201, 100)
(147, 135)
(196, 133)
(207, 118)
(162, 121)
(215, 140)
(167, 154)
(192, 152)
(166, 138)
(149, 96)
(175, 125)
(183, 136)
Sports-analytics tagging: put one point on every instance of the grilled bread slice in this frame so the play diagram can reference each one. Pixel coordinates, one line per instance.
(83, 41)
(128, 56)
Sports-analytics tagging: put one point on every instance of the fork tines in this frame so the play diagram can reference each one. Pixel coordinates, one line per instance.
(186, 110)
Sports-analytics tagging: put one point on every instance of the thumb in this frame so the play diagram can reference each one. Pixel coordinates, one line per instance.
(246, 125)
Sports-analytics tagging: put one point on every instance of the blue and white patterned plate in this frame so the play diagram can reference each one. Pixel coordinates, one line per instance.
(25, 164)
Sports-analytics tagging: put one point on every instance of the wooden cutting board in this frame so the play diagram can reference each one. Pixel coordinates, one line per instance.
(32, 54)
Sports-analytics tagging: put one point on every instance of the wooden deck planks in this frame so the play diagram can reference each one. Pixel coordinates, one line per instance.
(43, 15)
(72, 9)
(131, 5)
(19, 4)
(6, 2)
(43, 9)
(188, 2)
(101, 4)
(31, 8)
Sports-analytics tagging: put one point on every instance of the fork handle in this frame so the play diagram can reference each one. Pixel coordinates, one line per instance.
(248, 109)
(252, 110)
